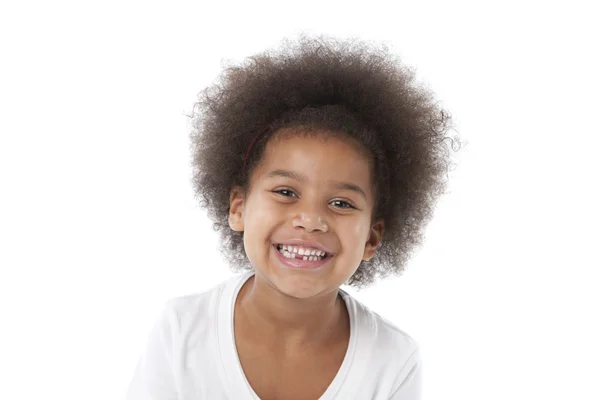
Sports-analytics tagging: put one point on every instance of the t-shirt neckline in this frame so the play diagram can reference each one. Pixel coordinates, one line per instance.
(239, 387)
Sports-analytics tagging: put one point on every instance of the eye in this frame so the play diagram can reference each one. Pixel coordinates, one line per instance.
(342, 204)
(285, 192)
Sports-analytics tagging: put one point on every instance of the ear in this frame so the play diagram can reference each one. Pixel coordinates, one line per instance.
(236, 209)
(375, 236)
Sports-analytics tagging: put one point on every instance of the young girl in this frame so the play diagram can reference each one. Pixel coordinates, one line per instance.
(319, 165)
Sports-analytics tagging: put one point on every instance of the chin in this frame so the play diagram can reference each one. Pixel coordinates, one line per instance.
(300, 287)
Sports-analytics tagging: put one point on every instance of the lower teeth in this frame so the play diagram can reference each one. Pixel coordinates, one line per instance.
(287, 254)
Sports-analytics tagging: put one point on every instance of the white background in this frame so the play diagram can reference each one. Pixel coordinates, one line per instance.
(98, 224)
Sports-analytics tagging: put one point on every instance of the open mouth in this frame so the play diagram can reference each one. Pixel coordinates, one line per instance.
(301, 253)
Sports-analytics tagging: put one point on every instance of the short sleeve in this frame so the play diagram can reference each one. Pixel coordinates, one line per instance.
(154, 376)
(411, 379)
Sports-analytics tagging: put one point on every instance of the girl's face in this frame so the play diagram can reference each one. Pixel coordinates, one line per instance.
(311, 194)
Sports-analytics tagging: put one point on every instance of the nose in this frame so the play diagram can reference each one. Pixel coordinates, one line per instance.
(310, 222)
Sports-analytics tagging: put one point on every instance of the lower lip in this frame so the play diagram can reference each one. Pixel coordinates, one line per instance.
(296, 263)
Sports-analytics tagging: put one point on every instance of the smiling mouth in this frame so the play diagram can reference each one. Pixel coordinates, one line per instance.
(300, 253)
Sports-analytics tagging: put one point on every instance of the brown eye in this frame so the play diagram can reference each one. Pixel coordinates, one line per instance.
(285, 192)
(342, 204)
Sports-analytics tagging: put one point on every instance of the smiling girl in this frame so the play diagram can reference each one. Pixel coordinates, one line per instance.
(319, 165)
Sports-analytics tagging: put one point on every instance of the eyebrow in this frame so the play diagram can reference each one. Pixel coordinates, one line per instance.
(301, 178)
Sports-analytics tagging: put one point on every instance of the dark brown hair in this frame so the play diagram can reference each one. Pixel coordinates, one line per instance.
(344, 86)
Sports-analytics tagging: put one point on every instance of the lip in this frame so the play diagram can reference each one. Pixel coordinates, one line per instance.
(298, 264)
(304, 243)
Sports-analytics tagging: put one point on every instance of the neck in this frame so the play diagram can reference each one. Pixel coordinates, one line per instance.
(275, 317)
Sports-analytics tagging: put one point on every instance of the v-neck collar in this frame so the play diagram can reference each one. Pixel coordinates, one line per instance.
(238, 386)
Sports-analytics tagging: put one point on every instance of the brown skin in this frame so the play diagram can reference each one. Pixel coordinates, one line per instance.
(297, 317)
(292, 310)
(349, 86)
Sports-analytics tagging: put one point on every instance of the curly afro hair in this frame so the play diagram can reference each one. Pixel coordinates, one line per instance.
(346, 87)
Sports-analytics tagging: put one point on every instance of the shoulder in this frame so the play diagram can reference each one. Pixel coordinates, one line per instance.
(187, 307)
(378, 330)
(182, 336)
(188, 312)
(392, 355)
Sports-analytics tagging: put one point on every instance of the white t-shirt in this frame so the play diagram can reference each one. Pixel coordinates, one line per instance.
(191, 354)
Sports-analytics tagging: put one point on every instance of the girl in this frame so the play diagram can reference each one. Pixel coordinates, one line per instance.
(319, 165)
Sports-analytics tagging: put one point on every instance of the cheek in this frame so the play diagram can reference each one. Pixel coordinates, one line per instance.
(356, 232)
(260, 220)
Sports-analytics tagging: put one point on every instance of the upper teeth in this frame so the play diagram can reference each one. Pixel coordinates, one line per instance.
(303, 251)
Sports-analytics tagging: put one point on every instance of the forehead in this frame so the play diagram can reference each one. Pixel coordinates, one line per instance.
(321, 156)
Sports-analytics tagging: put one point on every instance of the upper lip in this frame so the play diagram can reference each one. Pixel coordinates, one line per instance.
(306, 244)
